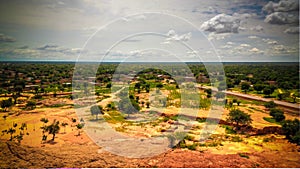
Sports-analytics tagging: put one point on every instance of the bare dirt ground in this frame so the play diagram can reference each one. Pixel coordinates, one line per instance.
(72, 150)
(82, 155)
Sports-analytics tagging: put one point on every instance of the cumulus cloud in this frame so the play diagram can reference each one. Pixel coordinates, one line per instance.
(217, 36)
(5, 38)
(283, 12)
(222, 23)
(281, 6)
(255, 50)
(245, 45)
(252, 37)
(270, 41)
(292, 30)
(282, 18)
(173, 36)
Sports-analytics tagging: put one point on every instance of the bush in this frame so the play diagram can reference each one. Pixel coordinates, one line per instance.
(192, 147)
(243, 155)
(270, 104)
(236, 139)
(229, 130)
(291, 129)
(277, 114)
(31, 104)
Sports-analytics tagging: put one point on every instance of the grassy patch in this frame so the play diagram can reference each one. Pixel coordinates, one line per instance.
(229, 129)
(201, 120)
(236, 139)
(114, 117)
(256, 109)
(191, 147)
(189, 137)
(265, 140)
(58, 105)
(271, 120)
(175, 118)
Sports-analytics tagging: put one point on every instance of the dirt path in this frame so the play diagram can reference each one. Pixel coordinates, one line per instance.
(289, 107)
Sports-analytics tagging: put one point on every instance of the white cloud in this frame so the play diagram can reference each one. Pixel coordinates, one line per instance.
(255, 50)
(252, 37)
(244, 45)
(5, 38)
(217, 36)
(283, 12)
(226, 47)
(292, 30)
(281, 6)
(282, 18)
(172, 36)
(222, 23)
(270, 41)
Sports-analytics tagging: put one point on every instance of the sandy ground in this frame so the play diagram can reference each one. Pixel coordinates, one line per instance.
(72, 150)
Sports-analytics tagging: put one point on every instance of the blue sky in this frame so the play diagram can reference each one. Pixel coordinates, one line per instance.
(190, 30)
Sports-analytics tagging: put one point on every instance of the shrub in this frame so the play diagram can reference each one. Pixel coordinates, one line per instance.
(291, 129)
(270, 104)
(192, 147)
(236, 139)
(277, 114)
(229, 130)
(31, 104)
(243, 155)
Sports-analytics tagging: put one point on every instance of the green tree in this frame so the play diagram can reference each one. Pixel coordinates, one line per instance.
(73, 121)
(208, 92)
(53, 129)
(277, 114)
(245, 86)
(239, 117)
(148, 105)
(96, 110)
(11, 131)
(108, 85)
(31, 104)
(291, 129)
(258, 87)
(79, 127)
(44, 127)
(6, 104)
(267, 91)
(159, 85)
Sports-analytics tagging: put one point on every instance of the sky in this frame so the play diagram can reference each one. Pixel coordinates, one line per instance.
(143, 30)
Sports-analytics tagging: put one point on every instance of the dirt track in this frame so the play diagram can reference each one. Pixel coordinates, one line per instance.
(289, 107)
